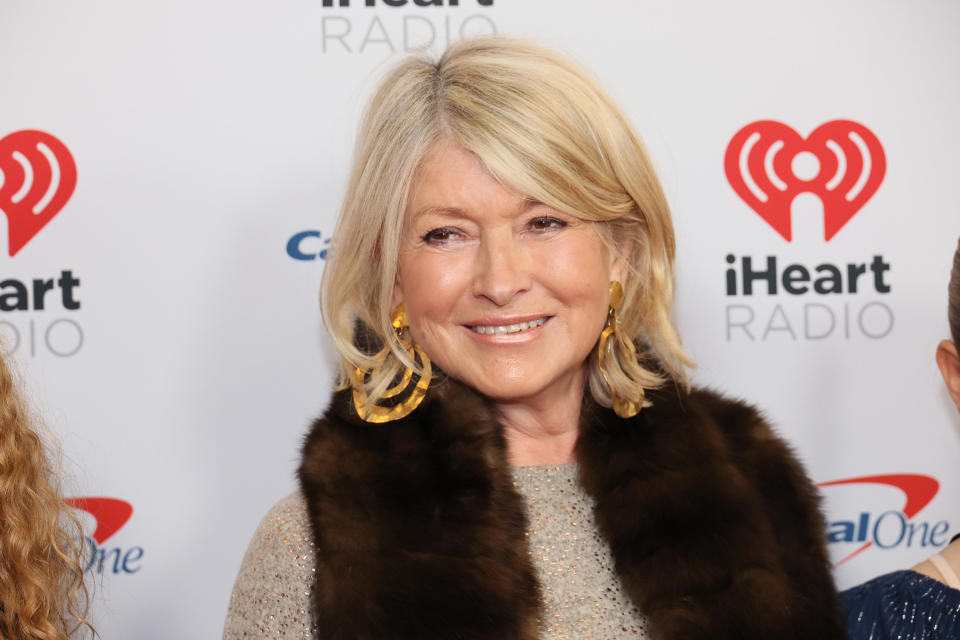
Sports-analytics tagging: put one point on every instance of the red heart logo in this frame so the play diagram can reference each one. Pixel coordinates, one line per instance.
(768, 164)
(110, 514)
(37, 177)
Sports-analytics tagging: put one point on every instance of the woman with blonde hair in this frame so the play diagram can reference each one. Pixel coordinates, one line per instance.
(514, 450)
(43, 595)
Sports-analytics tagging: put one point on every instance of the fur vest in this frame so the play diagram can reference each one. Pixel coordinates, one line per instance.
(714, 528)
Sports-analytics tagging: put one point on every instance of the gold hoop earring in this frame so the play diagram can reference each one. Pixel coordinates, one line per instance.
(623, 408)
(401, 409)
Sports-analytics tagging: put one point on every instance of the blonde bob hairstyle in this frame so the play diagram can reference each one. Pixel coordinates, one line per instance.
(542, 128)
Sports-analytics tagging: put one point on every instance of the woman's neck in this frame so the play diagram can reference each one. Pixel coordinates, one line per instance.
(543, 432)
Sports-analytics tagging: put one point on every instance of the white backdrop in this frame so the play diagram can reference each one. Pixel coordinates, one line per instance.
(206, 134)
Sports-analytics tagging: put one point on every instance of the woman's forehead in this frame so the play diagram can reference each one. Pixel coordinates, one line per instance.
(453, 180)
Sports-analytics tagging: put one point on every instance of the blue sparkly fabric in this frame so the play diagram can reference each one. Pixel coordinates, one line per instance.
(903, 605)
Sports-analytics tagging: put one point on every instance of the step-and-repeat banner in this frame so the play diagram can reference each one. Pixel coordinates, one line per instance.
(171, 172)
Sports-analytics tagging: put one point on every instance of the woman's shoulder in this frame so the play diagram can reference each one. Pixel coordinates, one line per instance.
(286, 527)
(710, 413)
(271, 596)
(291, 505)
(703, 458)
(755, 447)
(902, 604)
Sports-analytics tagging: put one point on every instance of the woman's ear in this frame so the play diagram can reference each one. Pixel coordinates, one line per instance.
(397, 296)
(620, 268)
(949, 362)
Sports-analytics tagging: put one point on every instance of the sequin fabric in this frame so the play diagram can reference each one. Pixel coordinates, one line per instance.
(582, 598)
(904, 605)
(271, 597)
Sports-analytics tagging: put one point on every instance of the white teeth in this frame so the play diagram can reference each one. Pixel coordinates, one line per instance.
(508, 328)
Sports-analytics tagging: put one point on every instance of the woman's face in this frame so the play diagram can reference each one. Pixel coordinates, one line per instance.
(504, 294)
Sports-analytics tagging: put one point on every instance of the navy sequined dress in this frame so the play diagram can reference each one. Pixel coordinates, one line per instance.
(903, 605)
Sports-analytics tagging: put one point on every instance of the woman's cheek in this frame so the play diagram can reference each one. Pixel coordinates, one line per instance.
(433, 284)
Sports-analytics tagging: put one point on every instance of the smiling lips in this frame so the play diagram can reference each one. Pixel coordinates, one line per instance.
(504, 329)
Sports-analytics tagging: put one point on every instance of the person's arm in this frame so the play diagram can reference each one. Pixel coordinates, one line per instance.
(271, 596)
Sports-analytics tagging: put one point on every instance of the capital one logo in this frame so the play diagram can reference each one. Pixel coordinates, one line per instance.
(110, 514)
(37, 177)
(768, 164)
(893, 528)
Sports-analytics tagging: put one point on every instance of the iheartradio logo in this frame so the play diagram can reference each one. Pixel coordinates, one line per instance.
(768, 164)
(37, 177)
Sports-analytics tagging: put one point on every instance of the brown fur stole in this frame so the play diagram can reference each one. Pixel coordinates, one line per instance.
(713, 526)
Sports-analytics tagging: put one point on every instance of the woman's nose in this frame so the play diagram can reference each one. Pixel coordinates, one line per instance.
(503, 269)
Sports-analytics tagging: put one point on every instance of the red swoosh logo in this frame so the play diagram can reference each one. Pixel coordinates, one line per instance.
(110, 514)
(918, 490)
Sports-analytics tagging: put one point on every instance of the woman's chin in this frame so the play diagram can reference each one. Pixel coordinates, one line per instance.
(519, 385)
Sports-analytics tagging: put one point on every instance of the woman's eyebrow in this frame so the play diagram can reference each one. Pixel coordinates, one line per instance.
(459, 212)
(449, 212)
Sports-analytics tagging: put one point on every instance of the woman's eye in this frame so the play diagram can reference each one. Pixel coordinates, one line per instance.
(439, 236)
(545, 223)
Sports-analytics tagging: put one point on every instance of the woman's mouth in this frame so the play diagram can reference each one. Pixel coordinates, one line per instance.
(505, 329)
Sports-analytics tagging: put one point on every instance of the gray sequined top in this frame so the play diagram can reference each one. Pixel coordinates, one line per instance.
(582, 597)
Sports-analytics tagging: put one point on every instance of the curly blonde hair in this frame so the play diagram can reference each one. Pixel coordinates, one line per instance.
(43, 595)
(541, 126)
